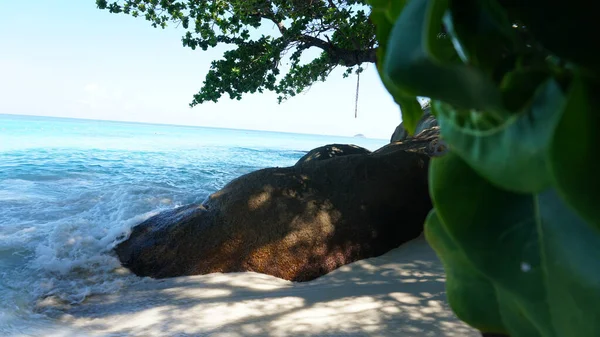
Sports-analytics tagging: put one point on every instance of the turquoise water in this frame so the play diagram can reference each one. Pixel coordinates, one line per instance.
(70, 188)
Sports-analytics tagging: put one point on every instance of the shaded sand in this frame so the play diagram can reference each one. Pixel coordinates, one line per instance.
(398, 294)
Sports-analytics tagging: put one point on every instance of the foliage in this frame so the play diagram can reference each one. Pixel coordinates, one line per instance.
(340, 29)
(515, 218)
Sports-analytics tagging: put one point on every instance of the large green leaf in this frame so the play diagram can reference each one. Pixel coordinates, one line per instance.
(574, 151)
(384, 14)
(482, 31)
(496, 230)
(540, 256)
(390, 8)
(514, 316)
(515, 223)
(471, 296)
(514, 154)
(409, 105)
(412, 65)
(562, 27)
(571, 250)
(519, 86)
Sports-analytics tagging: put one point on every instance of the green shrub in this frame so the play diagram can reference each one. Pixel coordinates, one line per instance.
(515, 87)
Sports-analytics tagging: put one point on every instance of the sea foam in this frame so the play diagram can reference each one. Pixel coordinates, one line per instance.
(71, 190)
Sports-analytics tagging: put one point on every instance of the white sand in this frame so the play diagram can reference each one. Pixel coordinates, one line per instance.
(398, 294)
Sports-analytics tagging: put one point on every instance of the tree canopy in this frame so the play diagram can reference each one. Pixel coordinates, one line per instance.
(261, 58)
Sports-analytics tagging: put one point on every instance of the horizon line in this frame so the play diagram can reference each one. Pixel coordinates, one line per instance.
(188, 125)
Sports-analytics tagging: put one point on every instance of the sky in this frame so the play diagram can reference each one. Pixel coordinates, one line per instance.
(66, 58)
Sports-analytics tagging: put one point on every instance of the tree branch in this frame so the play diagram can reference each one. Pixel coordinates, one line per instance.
(346, 57)
(350, 58)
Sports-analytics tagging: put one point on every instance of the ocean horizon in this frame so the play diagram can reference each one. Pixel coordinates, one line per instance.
(70, 189)
(359, 135)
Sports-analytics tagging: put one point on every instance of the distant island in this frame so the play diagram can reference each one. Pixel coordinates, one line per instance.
(360, 135)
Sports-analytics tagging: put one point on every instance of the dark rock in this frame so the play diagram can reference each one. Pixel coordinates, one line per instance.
(399, 134)
(330, 151)
(296, 223)
(426, 142)
(427, 121)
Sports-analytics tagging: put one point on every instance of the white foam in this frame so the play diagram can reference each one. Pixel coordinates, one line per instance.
(70, 258)
(74, 190)
(76, 260)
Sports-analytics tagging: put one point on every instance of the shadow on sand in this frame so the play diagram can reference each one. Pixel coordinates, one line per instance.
(400, 293)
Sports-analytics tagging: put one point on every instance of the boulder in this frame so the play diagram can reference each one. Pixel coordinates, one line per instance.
(427, 121)
(399, 134)
(296, 223)
(330, 151)
(427, 142)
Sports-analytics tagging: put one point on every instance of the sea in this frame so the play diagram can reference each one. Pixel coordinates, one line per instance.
(71, 189)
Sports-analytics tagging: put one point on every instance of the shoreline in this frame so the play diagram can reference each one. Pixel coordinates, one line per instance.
(400, 293)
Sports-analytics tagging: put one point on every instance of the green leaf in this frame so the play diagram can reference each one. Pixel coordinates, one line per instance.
(471, 296)
(411, 112)
(344, 34)
(482, 31)
(518, 86)
(514, 154)
(101, 4)
(411, 66)
(395, 8)
(384, 14)
(537, 252)
(409, 105)
(561, 27)
(497, 232)
(571, 249)
(390, 9)
(574, 151)
(514, 316)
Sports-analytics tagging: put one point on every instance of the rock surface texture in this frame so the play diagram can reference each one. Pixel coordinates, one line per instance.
(296, 223)
(427, 121)
(330, 151)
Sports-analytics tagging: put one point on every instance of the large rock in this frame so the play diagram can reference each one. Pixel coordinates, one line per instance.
(427, 121)
(330, 151)
(427, 142)
(296, 223)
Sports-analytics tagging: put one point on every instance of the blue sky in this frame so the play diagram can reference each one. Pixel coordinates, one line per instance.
(67, 58)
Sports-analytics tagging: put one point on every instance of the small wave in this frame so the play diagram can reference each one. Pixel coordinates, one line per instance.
(71, 258)
(67, 200)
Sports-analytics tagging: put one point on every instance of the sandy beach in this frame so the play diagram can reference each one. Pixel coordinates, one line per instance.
(398, 294)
